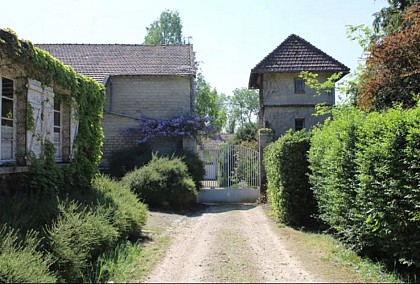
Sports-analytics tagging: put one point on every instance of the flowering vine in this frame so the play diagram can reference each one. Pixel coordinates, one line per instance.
(179, 126)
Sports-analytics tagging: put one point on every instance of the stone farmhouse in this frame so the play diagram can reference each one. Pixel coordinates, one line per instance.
(285, 102)
(37, 105)
(141, 81)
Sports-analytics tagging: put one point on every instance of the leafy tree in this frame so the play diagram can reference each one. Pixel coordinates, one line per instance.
(165, 30)
(390, 19)
(209, 103)
(243, 108)
(393, 67)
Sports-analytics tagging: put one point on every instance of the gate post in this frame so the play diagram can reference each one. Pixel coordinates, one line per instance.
(265, 137)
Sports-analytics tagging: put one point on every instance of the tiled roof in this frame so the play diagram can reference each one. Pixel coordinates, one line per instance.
(102, 60)
(295, 54)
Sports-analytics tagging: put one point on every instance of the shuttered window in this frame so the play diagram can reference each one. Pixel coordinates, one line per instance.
(57, 130)
(7, 119)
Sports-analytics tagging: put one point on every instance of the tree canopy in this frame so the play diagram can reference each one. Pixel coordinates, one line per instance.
(390, 19)
(209, 103)
(243, 108)
(393, 67)
(167, 29)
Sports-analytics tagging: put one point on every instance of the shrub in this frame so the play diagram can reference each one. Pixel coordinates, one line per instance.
(129, 214)
(365, 175)
(126, 160)
(28, 211)
(333, 168)
(20, 262)
(194, 165)
(286, 163)
(162, 180)
(78, 237)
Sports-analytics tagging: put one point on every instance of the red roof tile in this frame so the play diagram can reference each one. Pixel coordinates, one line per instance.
(102, 60)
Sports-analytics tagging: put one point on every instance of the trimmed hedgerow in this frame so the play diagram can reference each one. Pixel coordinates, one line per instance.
(20, 261)
(333, 168)
(286, 164)
(163, 180)
(366, 179)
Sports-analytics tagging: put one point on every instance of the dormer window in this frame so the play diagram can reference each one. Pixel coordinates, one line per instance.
(299, 86)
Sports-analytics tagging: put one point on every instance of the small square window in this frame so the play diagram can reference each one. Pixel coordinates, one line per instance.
(299, 124)
(299, 86)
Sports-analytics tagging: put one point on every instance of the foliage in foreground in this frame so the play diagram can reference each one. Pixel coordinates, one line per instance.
(289, 192)
(365, 177)
(163, 180)
(20, 261)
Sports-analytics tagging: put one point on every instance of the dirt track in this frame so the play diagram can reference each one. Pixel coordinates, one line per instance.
(228, 243)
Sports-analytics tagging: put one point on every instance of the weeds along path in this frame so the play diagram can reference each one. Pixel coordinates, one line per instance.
(228, 243)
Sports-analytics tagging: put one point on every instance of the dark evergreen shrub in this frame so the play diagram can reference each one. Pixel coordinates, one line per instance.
(126, 160)
(286, 164)
(163, 180)
(195, 166)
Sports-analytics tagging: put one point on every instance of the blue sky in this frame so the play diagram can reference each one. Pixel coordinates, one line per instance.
(229, 36)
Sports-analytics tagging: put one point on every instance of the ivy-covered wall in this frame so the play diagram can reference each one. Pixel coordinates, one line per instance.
(83, 97)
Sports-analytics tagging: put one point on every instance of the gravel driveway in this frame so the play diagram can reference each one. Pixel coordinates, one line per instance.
(228, 243)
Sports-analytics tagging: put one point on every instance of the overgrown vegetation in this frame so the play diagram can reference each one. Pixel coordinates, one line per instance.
(20, 259)
(163, 181)
(286, 164)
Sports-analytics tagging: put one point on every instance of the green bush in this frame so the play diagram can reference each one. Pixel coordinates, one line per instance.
(333, 168)
(163, 180)
(195, 166)
(365, 175)
(25, 212)
(286, 164)
(129, 214)
(126, 160)
(20, 261)
(78, 236)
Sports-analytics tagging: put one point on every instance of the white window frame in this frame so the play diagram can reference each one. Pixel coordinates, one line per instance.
(58, 145)
(12, 159)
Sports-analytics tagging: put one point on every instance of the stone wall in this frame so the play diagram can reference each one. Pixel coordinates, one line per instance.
(281, 106)
(157, 97)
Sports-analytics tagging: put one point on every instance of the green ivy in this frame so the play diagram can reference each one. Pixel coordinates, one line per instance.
(83, 92)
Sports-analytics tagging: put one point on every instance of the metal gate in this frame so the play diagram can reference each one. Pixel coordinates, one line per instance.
(232, 174)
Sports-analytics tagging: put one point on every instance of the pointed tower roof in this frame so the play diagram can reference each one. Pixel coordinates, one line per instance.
(295, 54)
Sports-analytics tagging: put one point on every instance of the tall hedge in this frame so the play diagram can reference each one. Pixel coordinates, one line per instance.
(366, 179)
(286, 164)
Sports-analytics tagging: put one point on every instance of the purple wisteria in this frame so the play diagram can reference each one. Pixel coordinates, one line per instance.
(178, 126)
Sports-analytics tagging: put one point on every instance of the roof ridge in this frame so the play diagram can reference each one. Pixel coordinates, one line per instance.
(119, 44)
(307, 43)
(319, 50)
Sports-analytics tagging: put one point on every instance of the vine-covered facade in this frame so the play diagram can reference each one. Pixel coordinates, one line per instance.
(44, 101)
